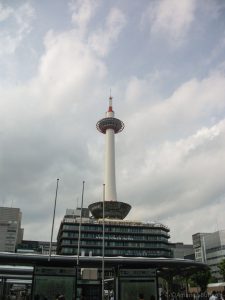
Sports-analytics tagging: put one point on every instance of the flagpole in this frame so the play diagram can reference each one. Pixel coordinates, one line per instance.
(79, 234)
(103, 244)
(53, 219)
(78, 242)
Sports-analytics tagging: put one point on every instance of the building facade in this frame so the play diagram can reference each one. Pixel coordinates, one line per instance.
(11, 233)
(181, 250)
(40, 247)
(210, 249)
(121, 238)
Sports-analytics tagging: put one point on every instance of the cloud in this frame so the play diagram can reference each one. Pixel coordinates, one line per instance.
(103, 38)
(204, 219)
(215, 9)
(82, 12)
(172, 152)
(5, 12)
(42, 120)
(139, 88)
(194, 104)
(46, 120)
(67, 66)
(169, 158)
(20, 20)
(170, 18)
(176, 179)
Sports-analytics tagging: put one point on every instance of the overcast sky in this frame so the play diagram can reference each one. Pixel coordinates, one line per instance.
(163, 60)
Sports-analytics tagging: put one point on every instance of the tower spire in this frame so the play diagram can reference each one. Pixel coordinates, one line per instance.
(110, 101)
(110, 104)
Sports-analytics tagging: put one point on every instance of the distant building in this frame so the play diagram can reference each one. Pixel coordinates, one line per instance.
(11, 233)
(122, 238)
(210, 248)
(41, 247)
(181, 250)
(199, 246)
(74, 213)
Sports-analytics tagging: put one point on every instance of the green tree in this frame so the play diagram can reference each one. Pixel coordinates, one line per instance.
(201, 279)
(221, 267)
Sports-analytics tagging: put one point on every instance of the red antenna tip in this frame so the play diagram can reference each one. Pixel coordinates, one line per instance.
(110, 104)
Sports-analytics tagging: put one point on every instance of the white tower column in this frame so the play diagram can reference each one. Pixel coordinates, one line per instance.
(113, 209)
(109, 126)
(110, 176)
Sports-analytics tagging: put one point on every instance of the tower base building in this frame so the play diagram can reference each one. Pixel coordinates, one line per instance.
(122, 237)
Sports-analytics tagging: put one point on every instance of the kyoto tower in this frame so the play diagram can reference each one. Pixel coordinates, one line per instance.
(113, 208)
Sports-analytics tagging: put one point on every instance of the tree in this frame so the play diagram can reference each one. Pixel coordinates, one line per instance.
(221, 267)
(201, 279)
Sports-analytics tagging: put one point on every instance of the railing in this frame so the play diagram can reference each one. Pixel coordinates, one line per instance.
(117, 222)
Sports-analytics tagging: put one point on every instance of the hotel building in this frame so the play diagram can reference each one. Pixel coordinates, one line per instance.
(122, 238)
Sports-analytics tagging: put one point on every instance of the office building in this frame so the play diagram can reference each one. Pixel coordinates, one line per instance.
(122, 238)
(210, 249)
(11, 233)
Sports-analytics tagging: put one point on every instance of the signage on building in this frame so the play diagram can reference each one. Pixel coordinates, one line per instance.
(140, 273)
(51, 271)
(114, 238)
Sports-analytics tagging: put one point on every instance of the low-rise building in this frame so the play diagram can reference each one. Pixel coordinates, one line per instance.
(181, 250)
(41, 247)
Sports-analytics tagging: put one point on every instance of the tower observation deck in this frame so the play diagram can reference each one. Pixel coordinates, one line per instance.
(110, 123)
(113, 208)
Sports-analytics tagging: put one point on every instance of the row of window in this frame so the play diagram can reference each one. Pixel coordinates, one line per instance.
(215, 257)
(115, 244)
(98, 228)
(211, 250)
(117, 252)
(113, 237)
(11, 237)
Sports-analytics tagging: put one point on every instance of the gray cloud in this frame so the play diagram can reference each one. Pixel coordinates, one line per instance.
(169, 157)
